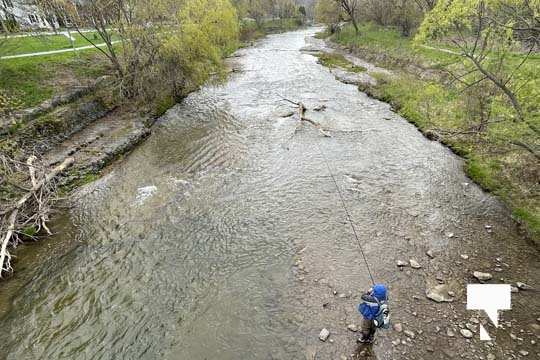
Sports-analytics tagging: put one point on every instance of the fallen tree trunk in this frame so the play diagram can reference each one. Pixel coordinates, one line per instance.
(14, 212)
(302, 115)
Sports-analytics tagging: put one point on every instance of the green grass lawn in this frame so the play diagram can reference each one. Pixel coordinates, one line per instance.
(34, 79)
(31, 44)
(339, 61)
(391, 42)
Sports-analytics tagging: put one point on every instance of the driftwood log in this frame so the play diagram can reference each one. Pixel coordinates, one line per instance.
(302, 115)
(14, 212)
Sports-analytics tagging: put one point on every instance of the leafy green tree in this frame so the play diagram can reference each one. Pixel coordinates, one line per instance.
(159, 48)
(209, 31)
(484, 38)
(489, 39)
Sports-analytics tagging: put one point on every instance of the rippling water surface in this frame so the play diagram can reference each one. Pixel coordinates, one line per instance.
(185, 250)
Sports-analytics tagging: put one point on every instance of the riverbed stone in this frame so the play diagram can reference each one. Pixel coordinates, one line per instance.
(401, 263)
(409, 334)
(352, 327)
(324, 334)
(523, 286)
(398, 327)
(482, 276)
(466, 333)
(439, 294)
(415, 264)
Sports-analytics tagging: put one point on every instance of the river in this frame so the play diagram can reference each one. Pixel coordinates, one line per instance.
(223, 237)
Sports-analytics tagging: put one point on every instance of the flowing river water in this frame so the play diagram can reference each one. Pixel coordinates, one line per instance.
(222, 236)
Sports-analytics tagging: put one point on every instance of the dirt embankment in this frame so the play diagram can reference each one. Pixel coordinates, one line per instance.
(48, 150)
(81, 123)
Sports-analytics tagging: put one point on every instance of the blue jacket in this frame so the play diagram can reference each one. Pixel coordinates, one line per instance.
(369, 307)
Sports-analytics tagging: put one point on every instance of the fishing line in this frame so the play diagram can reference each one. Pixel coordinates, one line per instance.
(347, 212)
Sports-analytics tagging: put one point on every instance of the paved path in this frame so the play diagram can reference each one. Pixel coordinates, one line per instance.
(52, 52)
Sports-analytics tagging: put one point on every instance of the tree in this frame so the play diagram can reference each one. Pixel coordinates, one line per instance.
(302, 11)
(426, 5)
(157, 49)
(350, 7)
(407, 16)
(328, 12)
(484, 32)
(209, 31)
(8, 21)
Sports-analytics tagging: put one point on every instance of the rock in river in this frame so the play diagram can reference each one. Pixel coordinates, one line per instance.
(414, 264)
(482, 276)
(324, 334)
(409, 334)
(401, 263)
(523, 286)
(439, 293)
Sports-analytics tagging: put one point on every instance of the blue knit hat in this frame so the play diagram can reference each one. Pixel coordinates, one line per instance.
(380, 292)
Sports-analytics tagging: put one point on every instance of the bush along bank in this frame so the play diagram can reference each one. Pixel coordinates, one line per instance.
(476, 122)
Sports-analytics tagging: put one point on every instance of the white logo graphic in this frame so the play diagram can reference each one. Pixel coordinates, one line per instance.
(491, 299)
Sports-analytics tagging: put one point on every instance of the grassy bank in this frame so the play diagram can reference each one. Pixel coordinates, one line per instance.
(423, 94)
(29, 81)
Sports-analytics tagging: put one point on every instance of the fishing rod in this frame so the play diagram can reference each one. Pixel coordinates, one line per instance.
(346, 212)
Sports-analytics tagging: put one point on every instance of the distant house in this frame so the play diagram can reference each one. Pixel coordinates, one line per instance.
(24, 15)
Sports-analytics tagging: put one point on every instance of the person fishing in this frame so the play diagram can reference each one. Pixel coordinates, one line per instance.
(374, 307)
(375, 312)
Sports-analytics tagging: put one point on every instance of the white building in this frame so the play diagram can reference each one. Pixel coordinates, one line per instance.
(26, 15)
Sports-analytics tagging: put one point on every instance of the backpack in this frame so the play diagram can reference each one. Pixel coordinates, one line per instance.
(382, 319)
